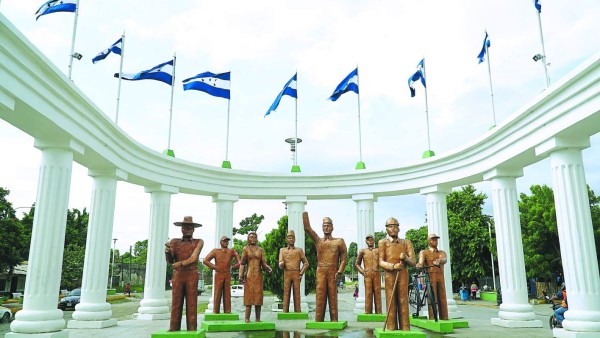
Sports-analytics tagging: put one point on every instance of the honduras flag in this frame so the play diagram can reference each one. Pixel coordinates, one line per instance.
(350, 83)
(419, 74)
(486, 45)
(538, 5)
(53, 6)
(115, 48)
(289, 89)
(214, 84)
(162, 73)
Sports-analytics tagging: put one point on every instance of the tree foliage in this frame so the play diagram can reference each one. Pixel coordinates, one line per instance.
(75, 240)
(14, 237)
(275, 240)
(352, 254)
(379, 235)
(418, 238)
(248, 224)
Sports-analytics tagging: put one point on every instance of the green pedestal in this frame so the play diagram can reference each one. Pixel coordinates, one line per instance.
(441, 326)
(379, 333)
(370, 317)
(361, 165)
(179, 334)
(111, 292)
(226, 165)
(491, 296)
(292, 315)
(221, 316)
(169, 152)
(327, 325)
(295, 168)
(428, 154)
(459, 323)
(237, 326)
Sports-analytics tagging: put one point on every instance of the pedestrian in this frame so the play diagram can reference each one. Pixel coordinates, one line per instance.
(474, 289)
(127, 289)
(355, 291)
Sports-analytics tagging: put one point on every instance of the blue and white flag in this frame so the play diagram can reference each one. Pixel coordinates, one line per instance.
(115, 48)
(538, 5)
(53, 6)
(486, 45)
(419, 74)
(214, 84)
(162, 73)
(289, 89)
(350, 83)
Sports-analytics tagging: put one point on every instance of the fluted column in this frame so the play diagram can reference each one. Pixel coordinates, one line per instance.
(93, 311)
(515, 310)
(295, 208)
(39, 314)
(224, 219)
(365, 219)
(437, 223)
(576, 238)
(154, 305)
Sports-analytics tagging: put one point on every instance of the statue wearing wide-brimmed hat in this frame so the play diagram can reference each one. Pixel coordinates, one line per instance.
(182, 254)
(290, 258)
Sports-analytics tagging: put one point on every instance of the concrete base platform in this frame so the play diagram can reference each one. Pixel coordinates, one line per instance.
(562, 333)
(327, 325)
(292, 315)
(371, 317)
(179, 334)
(459, 324)
(221, 316)
(151, 316)
(441, 326)
(57, 334)
(516, 323)
(91, 324)
(379, 333)
(237, 326)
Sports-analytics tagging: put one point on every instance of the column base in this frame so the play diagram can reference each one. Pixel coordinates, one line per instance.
(151, 316)
(516, 323)
(91, 324)
(57, 334)
(562, 333)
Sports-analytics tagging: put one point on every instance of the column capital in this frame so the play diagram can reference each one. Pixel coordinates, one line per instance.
(436, 188)
(560, 142)
(117, 174)
(364, 197)
(162, 187)
(225, 197)
(296, 199)
(69, 144)
(503, 172)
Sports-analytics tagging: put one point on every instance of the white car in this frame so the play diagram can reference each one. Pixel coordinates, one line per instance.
(5, 315)
(237, 291)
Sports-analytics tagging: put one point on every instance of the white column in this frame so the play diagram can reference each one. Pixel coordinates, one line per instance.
(365, 219)
(576, 238)
(437, 223)
(295, 208)
(39, 314)
(224, 205)
(154, 305)
(93, 311)
(515, 310)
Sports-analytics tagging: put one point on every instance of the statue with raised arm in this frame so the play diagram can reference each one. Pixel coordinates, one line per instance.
(372, 276)
(254, 257)
(395, 256)
(290, 258)
(332, 256)
(222, 269)
(182, 254)
(435, 260)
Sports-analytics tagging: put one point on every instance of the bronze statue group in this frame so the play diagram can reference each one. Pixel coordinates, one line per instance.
(394, 255)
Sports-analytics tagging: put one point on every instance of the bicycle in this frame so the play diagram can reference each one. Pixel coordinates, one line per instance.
(416, 298)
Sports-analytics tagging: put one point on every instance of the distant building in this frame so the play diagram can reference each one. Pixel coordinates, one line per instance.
(16, 283)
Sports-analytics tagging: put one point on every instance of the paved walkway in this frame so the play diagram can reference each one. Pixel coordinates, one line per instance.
(477, 313)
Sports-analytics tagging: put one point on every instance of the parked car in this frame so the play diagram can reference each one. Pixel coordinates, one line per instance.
(237, 291)
(71, 300)
(5, 315)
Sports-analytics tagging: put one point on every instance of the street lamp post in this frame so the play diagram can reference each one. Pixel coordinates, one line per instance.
(112, 266)
(492, 254)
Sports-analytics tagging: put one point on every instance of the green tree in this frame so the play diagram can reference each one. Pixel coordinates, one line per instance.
(274, 240)
(418, 238)
(379, 235)
(140, 252)
(75, 243)
(310, 276)
(14, 239)
(352, 254)
(248, 224)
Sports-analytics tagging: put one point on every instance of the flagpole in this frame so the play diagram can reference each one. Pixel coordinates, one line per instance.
(539, 15)
(487, 51)
(428, 152)
(73, 39)
(226, 164)
(360, 164)
(120, 72)
(170, 152)
(296, 167)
